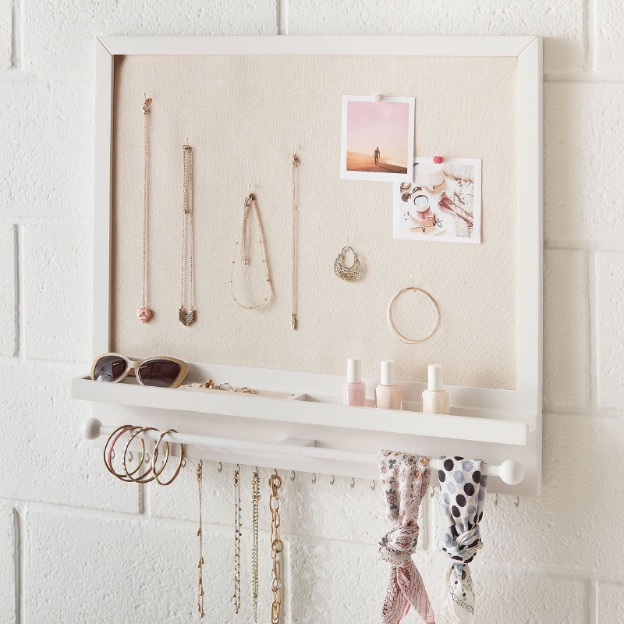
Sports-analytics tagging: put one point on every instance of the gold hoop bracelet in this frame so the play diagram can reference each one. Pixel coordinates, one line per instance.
(145, 477)
(157, 473)
(108, 453)
(392, 326)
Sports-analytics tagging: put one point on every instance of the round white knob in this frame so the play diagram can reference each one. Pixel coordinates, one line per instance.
(511, 472)
(91, 429)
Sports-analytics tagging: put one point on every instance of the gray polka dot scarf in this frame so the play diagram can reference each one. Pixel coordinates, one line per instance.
(404, 481)
(463, 499)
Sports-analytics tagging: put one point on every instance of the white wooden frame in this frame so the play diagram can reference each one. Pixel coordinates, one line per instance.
(518, 407)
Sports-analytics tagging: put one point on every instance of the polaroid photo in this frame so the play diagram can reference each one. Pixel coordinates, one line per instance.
(442, 203)
(377, 138)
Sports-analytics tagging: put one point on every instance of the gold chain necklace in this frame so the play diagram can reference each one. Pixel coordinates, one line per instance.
(295, 240)
(255, 499)
(144, 313)
(187, 316)
(200, 564)
(237, 540)
(251, 205)
(277, 546)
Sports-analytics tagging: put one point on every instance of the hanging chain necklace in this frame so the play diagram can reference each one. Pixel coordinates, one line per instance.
(187, 316)
(200, 564)
(295, 239)
(237, 540)
(255, 499)
(144, 313)
(251, 205)
(277, 546)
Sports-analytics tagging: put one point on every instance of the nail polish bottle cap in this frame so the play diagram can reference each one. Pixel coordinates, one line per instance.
(387, 373)
(434, 377)
(354, 371)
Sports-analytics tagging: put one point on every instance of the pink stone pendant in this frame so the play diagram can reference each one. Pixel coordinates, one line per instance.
(144, 315)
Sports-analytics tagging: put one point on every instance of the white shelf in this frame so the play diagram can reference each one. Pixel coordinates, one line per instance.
(316, 418)
(305, 409)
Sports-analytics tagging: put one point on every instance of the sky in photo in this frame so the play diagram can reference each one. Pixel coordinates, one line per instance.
(379, 124)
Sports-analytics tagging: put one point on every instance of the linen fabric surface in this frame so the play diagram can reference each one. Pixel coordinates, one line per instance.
(260, 104)
(463, 487)
(404, 482)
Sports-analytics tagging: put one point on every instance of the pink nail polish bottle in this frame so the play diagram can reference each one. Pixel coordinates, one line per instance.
(354, 392)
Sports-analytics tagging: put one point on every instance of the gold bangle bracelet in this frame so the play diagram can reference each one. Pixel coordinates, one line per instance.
(157, 473)
(392, 326)
(108, 452)
(145, 477)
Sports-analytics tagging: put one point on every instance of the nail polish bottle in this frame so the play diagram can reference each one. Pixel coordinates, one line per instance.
(354, 392)
(387, 394)
(435, 400)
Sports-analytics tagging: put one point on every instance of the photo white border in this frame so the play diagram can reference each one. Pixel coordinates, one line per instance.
(397, 206)
(374, 176)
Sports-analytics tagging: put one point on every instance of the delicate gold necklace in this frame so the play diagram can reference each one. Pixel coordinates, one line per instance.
(237, 540)
(144, 313)
(251, 205)
(187, 315)
(255, 499)
(294, 321)
(200, 564)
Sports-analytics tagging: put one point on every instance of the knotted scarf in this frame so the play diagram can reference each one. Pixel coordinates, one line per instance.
(463, 498)
(404, 481)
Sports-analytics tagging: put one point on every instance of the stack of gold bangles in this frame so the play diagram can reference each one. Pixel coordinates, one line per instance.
(155, 468)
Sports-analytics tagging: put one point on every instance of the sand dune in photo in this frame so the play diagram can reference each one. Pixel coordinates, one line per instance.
(366, 162)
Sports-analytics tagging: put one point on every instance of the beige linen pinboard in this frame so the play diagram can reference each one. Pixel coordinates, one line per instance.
(242, 115)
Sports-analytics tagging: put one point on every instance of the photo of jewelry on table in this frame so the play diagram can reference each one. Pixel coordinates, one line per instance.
(442, 204)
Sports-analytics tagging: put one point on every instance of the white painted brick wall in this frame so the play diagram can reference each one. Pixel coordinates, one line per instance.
(59, 34)
(566, 314)
(610, 328)
(559, 21)
(8, 288)
(77, 546)
(609, 25)
(46, 133)
(610, 603)
(6, 39)
(584, 130)
(8, 564)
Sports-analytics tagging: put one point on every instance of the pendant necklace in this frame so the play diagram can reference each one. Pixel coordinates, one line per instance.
(187, 315)
(144, 313)
(251, 207)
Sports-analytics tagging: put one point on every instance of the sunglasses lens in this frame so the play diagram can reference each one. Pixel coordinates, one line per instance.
(109, 368)
(161, 373)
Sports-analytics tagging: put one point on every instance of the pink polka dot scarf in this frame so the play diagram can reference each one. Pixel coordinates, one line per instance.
(404, 482)
(462, 488)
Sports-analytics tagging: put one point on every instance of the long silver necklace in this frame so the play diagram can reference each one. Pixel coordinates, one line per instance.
(251, 206)
(294, 321)
(144, 313)
(187, 290)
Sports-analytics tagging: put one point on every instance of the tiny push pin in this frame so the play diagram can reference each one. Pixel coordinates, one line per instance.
(438, 160)
(377, 97)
